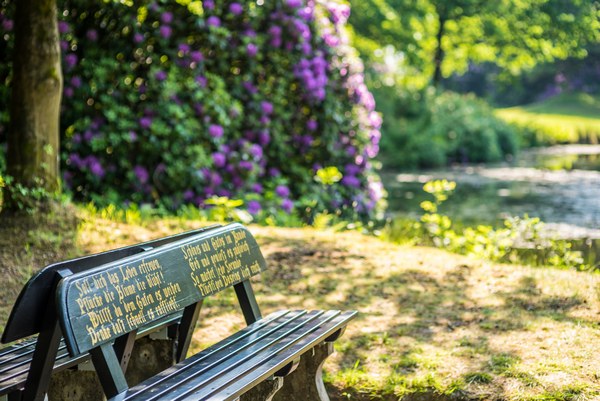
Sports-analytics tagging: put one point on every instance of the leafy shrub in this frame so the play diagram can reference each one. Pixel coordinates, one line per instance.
(430, 129)
(180, 103)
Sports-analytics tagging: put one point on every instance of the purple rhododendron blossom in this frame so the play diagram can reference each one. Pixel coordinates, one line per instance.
(264, 138)
(63, 27)
(64, 45)
(96, 167)
(68, 91)
(312, 125)
(216, 179)
(219, 159)
(76, 161)
(254, 207)
(197, 56)
(138, 38)
(249, 86)
(216, 131)
(132, 136)
(141, 174)
(236, 8)
(92, 35)
(208, 4)
(165, 31)
(246, 165)
(287, 205)
(266, 107)
(213, 21)
(294, 3)
(351, 181)
(160, 75)
(201, 80)
(256, 151)
(257, 188)
(184, 48)
(282, 191)
(8, 25)
(71, 60)
(188, 195)
(166, 17)
(145, 122)
(251, 49)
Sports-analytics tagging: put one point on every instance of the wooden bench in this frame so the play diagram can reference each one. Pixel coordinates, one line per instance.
(101, 311)
(27, 320)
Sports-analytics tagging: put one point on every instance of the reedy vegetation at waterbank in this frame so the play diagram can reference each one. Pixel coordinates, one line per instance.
(175, 103)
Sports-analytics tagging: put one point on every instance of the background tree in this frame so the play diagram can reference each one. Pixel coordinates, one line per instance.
(440, 37)
(33, 133)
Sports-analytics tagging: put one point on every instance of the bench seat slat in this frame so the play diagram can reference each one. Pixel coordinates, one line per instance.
(16, 359)
(244, 362)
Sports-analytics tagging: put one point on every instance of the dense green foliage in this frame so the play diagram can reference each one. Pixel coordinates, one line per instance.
(429, 129)
(175, 103)
(514, 35)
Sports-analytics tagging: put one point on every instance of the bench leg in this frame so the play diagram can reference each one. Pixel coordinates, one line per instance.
(306, 382)
(263, 391)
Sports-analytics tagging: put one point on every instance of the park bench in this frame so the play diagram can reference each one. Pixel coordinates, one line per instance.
(101, 311)
(35, 302)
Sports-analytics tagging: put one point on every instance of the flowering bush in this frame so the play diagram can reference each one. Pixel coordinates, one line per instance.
(176, 103)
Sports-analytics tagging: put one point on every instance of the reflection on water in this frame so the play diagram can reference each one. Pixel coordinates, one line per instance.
(560, 185)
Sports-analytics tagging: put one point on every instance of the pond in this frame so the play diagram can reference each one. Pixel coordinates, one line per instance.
(560, 185)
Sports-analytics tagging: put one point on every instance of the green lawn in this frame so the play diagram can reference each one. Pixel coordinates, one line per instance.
(566, 118)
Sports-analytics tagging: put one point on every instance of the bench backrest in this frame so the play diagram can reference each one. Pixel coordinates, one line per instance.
(100, 305)
(27, 314)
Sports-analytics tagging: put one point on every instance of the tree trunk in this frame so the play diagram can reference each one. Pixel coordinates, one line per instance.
(439, 52)
(33, 133)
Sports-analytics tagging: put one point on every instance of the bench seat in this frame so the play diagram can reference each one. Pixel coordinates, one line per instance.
(231, 367)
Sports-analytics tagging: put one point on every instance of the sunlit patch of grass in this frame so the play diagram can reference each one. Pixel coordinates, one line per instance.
(566, 118)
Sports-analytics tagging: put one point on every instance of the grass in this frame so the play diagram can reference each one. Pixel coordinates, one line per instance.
(566, 118)
(431, 324)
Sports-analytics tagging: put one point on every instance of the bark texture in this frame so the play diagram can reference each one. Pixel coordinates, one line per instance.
(33, 134)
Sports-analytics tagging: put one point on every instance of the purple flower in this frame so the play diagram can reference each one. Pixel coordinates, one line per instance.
(216, 131)
(246, 165)
(200, 80)
(197, 56)
(145, 122)
(184, 48)
(71, 60)
(76, 161)
(95, 167)
(254, 207)
(68, 91)
(266, 107)
(274, 172)
(294, 3)
(160, 75)
(213, 21)
(249, 86)
(165, 31)
(251, 49)
(352, 169)
(141, 173)
(216, 179)
(219, 159)
(138, 38)
(351, 181)
(132, 136)
(257, 188)
(312, 125)
(166, 17)
(256, 151)
(63, 27)
(264, 138)
(188, 195)
(64, 45)
(236, 8)
(8, 25)
(92, 35)
(287, 205)
(282, 191)
(208, 4)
